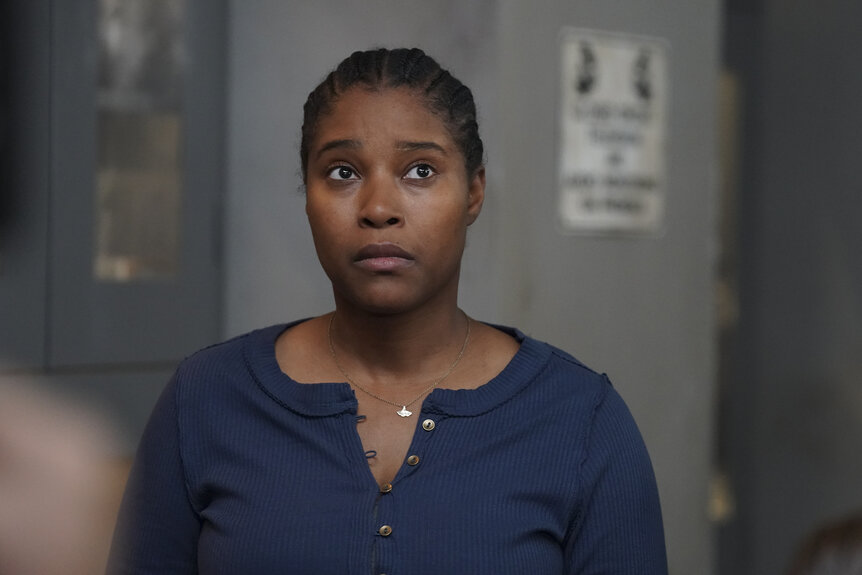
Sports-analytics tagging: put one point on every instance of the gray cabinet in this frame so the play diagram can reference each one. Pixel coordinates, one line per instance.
(112, 187)
(112, 301)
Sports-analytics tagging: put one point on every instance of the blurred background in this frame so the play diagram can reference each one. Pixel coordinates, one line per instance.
(151, 205)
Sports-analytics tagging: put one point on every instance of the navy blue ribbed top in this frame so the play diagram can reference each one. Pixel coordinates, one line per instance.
(243, 470)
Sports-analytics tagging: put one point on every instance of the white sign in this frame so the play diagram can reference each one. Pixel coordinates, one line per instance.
(613, 128)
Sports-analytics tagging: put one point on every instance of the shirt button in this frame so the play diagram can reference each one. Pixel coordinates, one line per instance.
(428, 424)
(413, 460)
(385, 530)
(386, 488)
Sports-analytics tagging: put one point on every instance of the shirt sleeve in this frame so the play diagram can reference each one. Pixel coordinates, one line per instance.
(157, 527)
(619, 528)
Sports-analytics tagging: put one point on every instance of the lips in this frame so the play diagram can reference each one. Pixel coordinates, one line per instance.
(383, 257)
(384, 250)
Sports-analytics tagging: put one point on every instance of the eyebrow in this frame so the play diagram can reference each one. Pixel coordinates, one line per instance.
(404, 146)
(335, 144)
(413, 146)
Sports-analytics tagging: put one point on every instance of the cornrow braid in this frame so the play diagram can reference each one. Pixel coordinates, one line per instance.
(411, 58)
(381, 68)
(438, 83)
(380, 63)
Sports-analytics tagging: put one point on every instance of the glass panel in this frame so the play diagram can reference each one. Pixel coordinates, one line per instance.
(140, 134)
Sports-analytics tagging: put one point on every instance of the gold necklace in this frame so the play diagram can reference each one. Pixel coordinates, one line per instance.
(403, 412)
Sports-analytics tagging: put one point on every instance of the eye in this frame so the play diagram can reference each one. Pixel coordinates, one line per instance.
(420, 172)
(343, 173)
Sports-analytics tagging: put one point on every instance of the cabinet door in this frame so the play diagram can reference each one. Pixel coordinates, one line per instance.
(137, 120)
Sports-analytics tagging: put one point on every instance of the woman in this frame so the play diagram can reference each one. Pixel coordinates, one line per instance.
(395, 434)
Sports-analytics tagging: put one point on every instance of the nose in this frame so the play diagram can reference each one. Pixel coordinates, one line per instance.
(380, 203)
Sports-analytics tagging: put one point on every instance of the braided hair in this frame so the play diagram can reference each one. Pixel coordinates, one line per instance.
(444, 95)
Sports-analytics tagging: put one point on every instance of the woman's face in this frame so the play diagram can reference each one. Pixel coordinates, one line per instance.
(389, 201)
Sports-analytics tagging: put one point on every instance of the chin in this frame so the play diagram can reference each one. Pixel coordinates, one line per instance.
(382, 304)
(385, 307)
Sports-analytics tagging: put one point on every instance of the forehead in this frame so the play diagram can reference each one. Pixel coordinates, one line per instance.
(380, 115)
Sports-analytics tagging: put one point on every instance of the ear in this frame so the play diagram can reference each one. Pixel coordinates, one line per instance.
(475, 195)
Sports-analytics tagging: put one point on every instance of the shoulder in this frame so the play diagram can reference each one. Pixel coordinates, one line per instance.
(543, 350)
(561, 370)
(607, 411)
(221, 366)
(544, 380)
(228, 352)
(588, 398)
(614, 452)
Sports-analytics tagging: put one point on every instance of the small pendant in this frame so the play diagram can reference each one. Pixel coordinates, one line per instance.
(403, 412)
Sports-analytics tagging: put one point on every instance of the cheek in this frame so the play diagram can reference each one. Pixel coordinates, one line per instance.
(320, 222)
(318, 212)
(315, 216)
(446, 231)
(451, 215)
(324, 234)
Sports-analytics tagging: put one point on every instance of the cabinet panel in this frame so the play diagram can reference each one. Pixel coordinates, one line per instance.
(135, 269)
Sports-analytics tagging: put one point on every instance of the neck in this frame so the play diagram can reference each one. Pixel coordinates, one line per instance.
(411, 347)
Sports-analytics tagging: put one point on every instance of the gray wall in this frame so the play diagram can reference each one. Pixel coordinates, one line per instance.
(639, 309)
(797, 405)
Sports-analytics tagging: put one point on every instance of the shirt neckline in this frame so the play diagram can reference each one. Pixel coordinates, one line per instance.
(327, 399)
